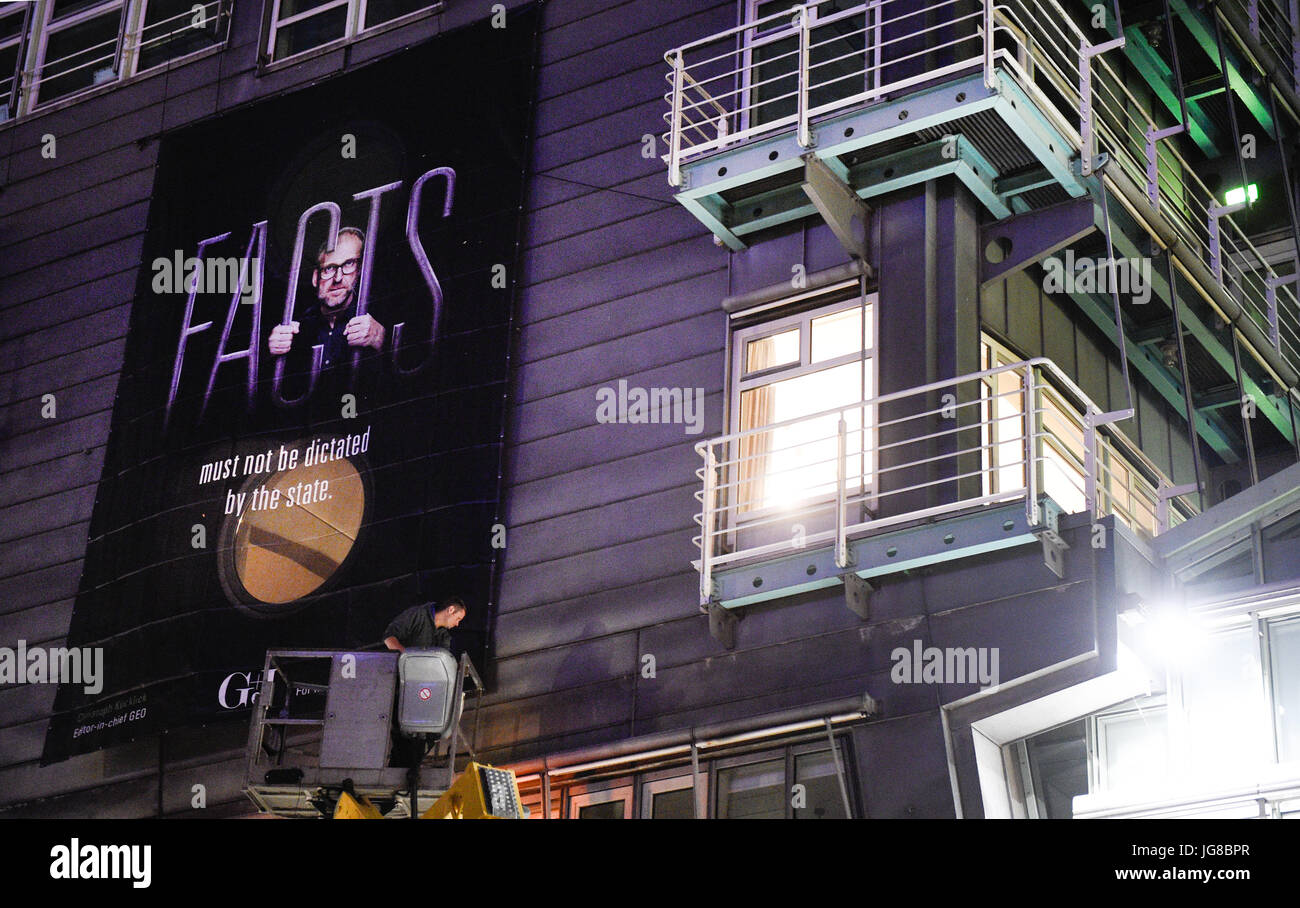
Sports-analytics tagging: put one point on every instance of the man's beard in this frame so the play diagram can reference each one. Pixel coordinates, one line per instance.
(343, 306)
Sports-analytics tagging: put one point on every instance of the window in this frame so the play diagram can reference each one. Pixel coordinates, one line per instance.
(79, 48)
(13, 30)
(1284, 652)
(785, 373)
(74, 45)
(297, 26)
(801, 783)
(1132, 747)
(1004, 435)
(840, 63)
(670, 798)
(1223, 731)
(800, 779)
(590, 803)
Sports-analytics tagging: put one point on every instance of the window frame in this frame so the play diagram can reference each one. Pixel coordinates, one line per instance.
(830, 301)
(221, 12)
(752, 39)
(354, 28)
(676, 779)
(40, 25)
(590, 794)
(788, 754)
(1098, 726)
(1117, 451)
(49, 26)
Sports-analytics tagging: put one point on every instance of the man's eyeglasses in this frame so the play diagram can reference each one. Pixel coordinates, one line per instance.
(327, 272)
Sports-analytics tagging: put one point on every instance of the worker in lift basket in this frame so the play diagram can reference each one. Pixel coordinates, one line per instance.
(426, 625)
(421, 626)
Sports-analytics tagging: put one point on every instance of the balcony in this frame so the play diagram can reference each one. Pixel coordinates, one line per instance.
(1020, 103)
(853, 493)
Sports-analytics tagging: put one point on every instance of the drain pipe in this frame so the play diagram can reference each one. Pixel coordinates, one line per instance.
(683, 741)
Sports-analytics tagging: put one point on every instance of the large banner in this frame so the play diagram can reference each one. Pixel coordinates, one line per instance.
(307, 434)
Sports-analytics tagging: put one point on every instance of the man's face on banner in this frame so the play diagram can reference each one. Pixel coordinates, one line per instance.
(335, 277)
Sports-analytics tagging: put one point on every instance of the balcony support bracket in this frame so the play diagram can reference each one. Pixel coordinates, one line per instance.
(857, 595)
(845, 213)
(1027, 238)
(722, 625)
(1049, 534)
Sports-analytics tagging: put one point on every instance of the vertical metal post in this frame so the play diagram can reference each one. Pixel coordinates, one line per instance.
(1085, 111)
(988, 44)
(841, 469)
(707, 516)
(1190, 406)
(675, 140)
(1153, 171)
(1212, 225)
(1270, 295)
(1245, 419)
(695, 780)
(1213, 213)
(805, 138)
(1090, 497)
(546, 792)
(1033, 481)
(1293, 8)
(1295, 430)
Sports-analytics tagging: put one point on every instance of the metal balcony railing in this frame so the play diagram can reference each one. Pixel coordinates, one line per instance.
(787, 71)
(1014, 433)
(1275, 24)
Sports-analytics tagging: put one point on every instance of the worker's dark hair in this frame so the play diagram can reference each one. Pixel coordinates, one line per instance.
(450, 601)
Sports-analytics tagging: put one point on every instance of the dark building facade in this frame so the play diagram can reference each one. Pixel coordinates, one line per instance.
(891, 414)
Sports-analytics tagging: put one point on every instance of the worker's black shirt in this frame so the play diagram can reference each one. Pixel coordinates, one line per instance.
(415, 628)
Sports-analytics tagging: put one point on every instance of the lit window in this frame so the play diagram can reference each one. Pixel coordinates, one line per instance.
(1226, 715)
(299, 25)
(1132, 748)
(1223, 731)
(1284, 650)
(787, 374)
(1121, 489)
(1004, 435)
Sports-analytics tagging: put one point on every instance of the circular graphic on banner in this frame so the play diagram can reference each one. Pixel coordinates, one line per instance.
(294, 533)
(425, 693)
